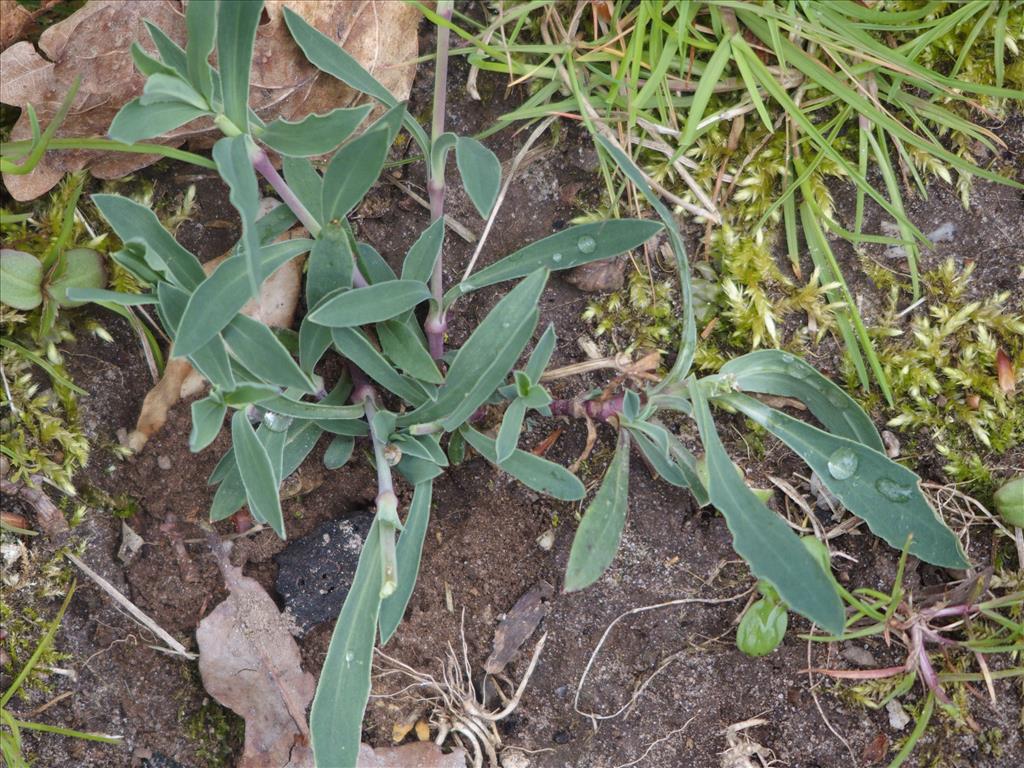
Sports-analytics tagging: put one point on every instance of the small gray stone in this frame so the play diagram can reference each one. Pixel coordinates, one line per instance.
(857, 655)
(163, 462)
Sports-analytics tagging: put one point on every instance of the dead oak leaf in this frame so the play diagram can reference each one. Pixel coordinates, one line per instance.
(251, 664)
(94, 43)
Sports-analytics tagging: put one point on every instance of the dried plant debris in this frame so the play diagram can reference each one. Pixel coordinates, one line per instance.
(518, 625)
(279, 296)
(422, 754)
(315, 572)
(95, 43)
(251, 664)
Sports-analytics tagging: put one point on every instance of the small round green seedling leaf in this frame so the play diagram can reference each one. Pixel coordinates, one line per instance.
(20, 277)
(83, 268)
(762, 627)
(1009, 502)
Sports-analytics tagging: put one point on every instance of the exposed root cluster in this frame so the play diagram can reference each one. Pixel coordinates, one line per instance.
(457, 710)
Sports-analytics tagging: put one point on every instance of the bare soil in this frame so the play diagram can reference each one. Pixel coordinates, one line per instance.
(482, 551)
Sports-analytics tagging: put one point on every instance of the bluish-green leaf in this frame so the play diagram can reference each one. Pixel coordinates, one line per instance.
(330, 266)
(207, 419)
(258, 349)
(134, 222)
(327, 56)
(307, 184)
(405, 349)
(211, 359)
(372, 304)
(408, 552)
(373, 266)
(569, 248)
(481, 173)
(337, 715)
(600, 530)
(114, 297)
(532, 471)
(354, 169)
(883, 493)
(300, 410)
(135, 122)
(257, 473)
(146, 64)
(351, 343)
(314, 134)
(161, 88)
(779, 373)
(171, 53)
(236, 35)
(248, 394)
(760, 537)
(201, 23)
(508, 434)
(232, 155)
(416, 470)
(339, 451)
(223, 294)
(541, 355)
(419, 261)
(301, 438)
(487, 357)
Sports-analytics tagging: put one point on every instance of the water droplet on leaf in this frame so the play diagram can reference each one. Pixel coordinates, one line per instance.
(842, 464)
(587, 244)
(893, 490)
(276, 422)
(556, 257)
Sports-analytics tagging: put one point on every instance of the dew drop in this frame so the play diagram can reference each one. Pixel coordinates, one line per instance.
(788, 359)
(506, 324)
(894, 491)
(587, 244)
(349, 657)
(842, 464)
(276, 422)
(556, 257)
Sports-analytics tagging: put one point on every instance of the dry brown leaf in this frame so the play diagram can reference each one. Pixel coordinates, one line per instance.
(279, 296)
(251, 664)
(95, 43)
(14, 19)
(1005, 374)
(417, 754)
(598, 276)
(518, 625)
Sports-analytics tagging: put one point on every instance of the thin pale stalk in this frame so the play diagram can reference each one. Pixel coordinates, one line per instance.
(436, 322)
(386, 501)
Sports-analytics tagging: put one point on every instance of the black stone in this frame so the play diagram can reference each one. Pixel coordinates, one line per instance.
(315, 572)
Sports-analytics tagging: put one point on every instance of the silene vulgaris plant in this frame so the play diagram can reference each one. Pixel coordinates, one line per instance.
(415, 402)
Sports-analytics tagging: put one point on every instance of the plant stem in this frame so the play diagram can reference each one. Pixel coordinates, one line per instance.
(261, 162)
(436, 322)
(386, 501)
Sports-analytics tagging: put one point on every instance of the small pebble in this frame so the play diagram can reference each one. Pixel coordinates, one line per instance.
(163, 462)
(898, 718)
(546, 540)
(859, 656)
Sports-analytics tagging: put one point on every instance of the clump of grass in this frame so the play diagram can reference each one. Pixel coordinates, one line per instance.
(944, 373)
(741, 112)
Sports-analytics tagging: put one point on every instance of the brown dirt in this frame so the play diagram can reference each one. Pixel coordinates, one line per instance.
(482, 541)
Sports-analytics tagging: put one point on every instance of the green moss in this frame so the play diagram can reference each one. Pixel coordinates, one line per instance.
(216, 733)
(944, 379)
